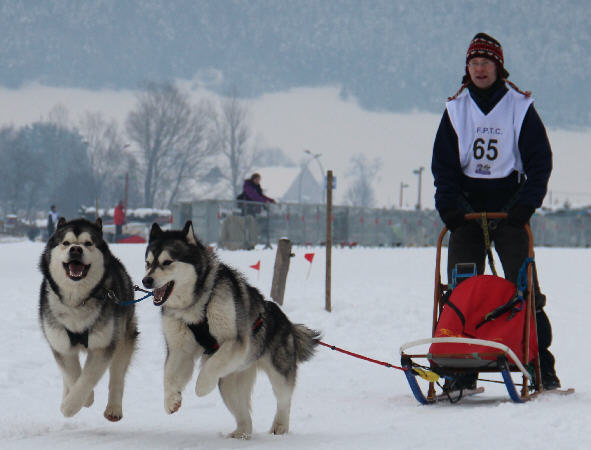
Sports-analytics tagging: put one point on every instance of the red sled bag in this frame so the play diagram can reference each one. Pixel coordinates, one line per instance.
(483, 307)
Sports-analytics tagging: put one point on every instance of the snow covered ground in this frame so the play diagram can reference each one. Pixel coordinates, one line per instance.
(381, 299)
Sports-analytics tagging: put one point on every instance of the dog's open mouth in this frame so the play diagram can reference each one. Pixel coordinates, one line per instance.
(162, 293)
(76, 270)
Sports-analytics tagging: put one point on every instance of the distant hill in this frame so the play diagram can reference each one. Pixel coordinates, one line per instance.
(392, 55)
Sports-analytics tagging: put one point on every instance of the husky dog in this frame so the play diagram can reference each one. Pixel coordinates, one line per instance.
(79, 311)
(210, 312)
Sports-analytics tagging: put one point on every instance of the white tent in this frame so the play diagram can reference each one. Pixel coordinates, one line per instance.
(291, 184)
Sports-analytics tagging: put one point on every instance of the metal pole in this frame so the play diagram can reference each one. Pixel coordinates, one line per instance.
(327, 304)
(420, 185)
(419, 172)
(125, 194)
(317, 156)
(268, 228)
(402, 186)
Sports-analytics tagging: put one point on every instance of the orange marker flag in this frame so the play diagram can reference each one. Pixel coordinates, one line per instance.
(309, 257)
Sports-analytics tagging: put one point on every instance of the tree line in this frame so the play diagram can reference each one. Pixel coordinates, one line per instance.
(167, 144)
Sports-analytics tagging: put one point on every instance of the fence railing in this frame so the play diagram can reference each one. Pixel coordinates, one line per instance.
(236, 224)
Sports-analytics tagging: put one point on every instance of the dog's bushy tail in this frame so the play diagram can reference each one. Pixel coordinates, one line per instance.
(306, 341)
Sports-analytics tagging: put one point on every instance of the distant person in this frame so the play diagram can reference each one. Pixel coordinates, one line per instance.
(492, 154)
(52, 217)
(119, 219)
(253, 192)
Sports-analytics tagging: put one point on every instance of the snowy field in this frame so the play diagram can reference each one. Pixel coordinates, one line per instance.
(381, 299)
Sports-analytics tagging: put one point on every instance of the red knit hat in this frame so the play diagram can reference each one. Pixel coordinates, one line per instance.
(485, 46)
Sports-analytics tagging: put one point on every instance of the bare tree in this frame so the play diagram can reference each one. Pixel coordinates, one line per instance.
(230, 136)
(110, 157)
(170, 134)
(363, 173)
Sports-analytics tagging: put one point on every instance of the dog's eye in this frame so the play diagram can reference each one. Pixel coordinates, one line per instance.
(168, 262)
(65, 243)
(88, 244)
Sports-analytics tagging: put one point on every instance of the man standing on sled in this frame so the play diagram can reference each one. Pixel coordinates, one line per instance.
(492, 154)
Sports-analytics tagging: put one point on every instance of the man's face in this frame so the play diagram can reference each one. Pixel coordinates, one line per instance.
(483, 72)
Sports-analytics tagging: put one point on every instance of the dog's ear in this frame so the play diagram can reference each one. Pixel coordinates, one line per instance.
(99, 224)
(61, 222)
(155, 231)
(189, 233)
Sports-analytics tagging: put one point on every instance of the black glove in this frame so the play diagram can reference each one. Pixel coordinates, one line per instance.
(519, 215)
(452, 219)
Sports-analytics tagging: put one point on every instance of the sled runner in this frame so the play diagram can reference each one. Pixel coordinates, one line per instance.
(481, 323)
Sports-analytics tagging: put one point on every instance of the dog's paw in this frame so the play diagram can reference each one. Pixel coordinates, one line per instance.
(279, 428)
(172, 402)
(90, 400)
(113, 413)
(70, 406)
(205, 385)
(240, 434)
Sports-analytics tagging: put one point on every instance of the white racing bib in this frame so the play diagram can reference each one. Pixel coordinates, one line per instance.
(488, 143)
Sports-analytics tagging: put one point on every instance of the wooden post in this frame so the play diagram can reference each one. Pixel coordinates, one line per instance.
(280, 271)
(327, 302)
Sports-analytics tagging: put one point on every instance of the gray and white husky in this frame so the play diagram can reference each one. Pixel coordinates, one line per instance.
(210, 312)
(79, 311)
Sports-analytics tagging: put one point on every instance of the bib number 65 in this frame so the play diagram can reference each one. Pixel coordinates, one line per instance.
(482, 149)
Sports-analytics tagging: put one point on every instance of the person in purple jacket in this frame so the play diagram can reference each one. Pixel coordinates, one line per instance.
(253, 192)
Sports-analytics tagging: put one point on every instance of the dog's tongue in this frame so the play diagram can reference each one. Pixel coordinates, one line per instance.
(159, 293)
(76, 269)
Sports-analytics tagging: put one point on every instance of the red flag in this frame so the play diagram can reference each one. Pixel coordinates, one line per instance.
(309, 256)
(256, 266)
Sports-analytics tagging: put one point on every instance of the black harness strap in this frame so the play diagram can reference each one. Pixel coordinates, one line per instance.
(78, 338)
(458, 312)
(204, 338)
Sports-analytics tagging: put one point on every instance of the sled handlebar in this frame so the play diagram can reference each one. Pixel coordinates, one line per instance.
(489, 215)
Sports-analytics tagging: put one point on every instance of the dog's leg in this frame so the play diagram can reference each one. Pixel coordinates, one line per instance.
(178, 370)
(69, 365)
(236, 390)
(283, 387)
(180, 361)
(96, 364)
(229, 358)
(119, 365)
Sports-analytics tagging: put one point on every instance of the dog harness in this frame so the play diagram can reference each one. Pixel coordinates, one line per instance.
(204, 338)
(78, 338)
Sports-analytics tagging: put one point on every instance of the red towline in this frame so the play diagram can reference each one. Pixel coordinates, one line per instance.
(356, 355)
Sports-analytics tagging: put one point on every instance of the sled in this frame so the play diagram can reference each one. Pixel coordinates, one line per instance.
(498, 335)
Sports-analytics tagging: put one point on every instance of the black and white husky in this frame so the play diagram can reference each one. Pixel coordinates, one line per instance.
(210, 312)
(79, 311)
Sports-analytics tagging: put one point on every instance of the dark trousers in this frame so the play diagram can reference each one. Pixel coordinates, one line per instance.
(118, 232)
(466, 245)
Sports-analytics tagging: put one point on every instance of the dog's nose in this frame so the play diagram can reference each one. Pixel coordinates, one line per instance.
(148, 282)
(75, 250)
